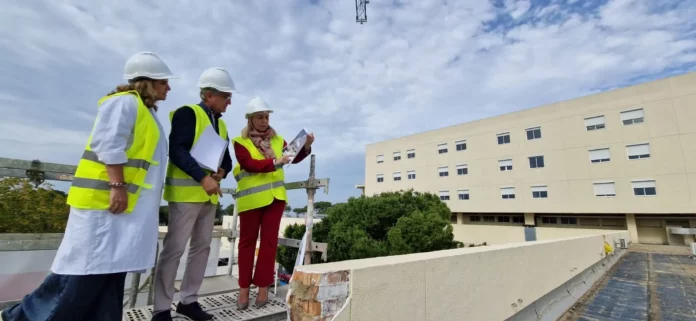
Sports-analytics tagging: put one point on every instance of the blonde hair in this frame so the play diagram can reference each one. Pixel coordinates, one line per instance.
(145, 89)
(245, 130)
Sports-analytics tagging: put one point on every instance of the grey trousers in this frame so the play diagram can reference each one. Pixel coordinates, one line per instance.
(194, 220)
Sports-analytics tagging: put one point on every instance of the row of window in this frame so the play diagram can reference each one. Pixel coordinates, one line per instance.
(601, 189)
(601, 155)
(629, 117)
(548, 220)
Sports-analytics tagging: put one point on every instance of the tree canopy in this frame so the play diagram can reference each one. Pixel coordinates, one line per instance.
(390, 223)
(28, 209)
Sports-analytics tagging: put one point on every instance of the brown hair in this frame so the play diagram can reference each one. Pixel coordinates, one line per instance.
(145, 89)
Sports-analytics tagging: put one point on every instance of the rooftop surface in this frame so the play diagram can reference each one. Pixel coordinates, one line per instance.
(649, 283)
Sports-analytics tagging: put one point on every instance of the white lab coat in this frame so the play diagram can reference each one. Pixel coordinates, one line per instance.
(97, 241)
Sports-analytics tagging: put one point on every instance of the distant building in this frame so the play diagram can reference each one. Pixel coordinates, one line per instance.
(621, 159)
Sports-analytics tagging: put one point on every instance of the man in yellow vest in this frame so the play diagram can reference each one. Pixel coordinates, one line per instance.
(192, 193)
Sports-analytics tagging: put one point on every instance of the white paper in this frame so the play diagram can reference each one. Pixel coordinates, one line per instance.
(209, 150)
(296, 145)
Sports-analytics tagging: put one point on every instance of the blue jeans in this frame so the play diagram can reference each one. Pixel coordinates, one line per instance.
(97, 297)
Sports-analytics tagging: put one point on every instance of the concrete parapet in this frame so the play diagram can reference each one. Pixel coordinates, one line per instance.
(492, 283)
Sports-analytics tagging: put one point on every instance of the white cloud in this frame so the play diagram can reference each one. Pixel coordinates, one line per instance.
(414, 66)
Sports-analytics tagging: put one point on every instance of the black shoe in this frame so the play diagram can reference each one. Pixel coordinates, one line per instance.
(193, 311)
(162, 316)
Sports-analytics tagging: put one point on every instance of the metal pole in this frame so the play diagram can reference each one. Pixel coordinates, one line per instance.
(135, 285)
(309, 218)
(151, 285)
(233, 239)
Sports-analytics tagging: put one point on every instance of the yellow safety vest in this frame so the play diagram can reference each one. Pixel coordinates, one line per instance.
(256, 190)
(181, 187)
(90, 185)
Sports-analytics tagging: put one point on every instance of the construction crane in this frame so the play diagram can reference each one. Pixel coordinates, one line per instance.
(361, 11)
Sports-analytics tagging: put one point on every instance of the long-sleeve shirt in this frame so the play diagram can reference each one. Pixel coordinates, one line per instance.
(97, 241)
(181, 141)
(247, 163)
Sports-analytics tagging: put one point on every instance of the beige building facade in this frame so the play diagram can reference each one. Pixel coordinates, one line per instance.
(622, 159)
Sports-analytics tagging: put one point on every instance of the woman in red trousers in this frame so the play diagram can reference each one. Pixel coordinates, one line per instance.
(260, 197)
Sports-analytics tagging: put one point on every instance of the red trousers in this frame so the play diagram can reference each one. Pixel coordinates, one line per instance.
(267, 220)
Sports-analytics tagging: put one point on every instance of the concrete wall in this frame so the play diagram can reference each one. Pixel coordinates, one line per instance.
(490, 283)
(23, 270)
(669, 108)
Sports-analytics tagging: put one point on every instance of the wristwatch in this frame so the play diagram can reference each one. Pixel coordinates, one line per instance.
(117, 185)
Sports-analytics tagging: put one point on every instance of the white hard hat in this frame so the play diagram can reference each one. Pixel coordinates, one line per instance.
(256, 105)
(217, 78)
(146, 64)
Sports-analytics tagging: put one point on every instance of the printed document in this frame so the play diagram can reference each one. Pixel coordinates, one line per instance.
(209, 150)
(296, 145)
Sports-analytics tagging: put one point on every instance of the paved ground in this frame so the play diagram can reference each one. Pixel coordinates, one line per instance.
(644, 286)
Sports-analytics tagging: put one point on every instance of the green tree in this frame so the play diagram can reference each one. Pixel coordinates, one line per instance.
(300, 210)
(229, 210)
(288, 208)
(386, 224)
(28, 209)
(219, 213)
(322, 207)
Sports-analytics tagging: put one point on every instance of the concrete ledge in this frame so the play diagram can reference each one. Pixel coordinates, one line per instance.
(48, 241)
(518, 281)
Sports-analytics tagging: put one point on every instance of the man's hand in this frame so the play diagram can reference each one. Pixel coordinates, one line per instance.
(118, 202)
(211, 186)
(219, 175)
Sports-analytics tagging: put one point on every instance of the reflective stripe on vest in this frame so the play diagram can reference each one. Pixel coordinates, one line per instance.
(90, 185)
(256, 190)
(181, 187)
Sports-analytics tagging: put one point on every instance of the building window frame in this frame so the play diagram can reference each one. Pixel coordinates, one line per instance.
(599, 151)
(644, 187)
(536, 161)
(505, 165)
(507, 192)
(594, 123)
(411, 174)
(503, 138)
(533, 133)
(632, 116)
(460, 145)
(607, 189)
(638, 151)
(442, 148)
(462, 169)
(539, 191)
(443, 171)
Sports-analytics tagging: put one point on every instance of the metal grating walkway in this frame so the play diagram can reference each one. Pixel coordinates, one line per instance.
(642, 287)
(224, 308)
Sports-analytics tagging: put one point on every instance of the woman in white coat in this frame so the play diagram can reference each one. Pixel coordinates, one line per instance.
(114, 197)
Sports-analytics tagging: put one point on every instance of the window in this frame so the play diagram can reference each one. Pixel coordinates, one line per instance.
(638, 151)
(489, 218)
(505, 165)
(397, 156)
(594, 123)
(644, 188)
(549, 220)
(380, 159)
(411, 174)
(600, 155)
(397, 176)
(533, 133)
(503, 219)
(463, 194)
(474, 218)
(442, 149)
(631, 117)
(507, 192)
(444, 195)
(453, 218)
(540, 191)
(380, 178)
(605, 189)
(569, 220)
(460, 145)
(462, 169)
(503, 138)
(536, 162)
(518, 219)
(411, 153)
(443, 171)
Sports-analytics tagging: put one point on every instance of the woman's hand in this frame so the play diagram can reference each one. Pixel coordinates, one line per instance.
(284, 160)
(310, 140)
(118, 201)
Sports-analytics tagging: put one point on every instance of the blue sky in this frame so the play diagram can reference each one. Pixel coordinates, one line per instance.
(414, 66)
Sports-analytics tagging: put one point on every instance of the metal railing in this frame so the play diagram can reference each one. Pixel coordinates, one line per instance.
(38, 172)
